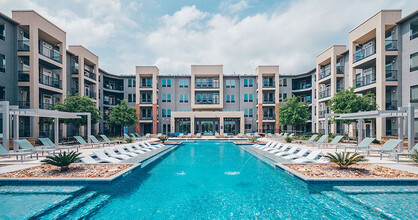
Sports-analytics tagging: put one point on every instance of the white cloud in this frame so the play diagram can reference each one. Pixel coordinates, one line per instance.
(234, 7)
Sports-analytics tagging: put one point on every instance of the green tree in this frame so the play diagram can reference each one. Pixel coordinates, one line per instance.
(77, 103)
(122, 115)
(346, 101)
(293, 112)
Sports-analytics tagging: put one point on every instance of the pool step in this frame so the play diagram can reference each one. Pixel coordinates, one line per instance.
(336, 211)
(70, 206)
(376, 189)
(41, 189)
(88, 208)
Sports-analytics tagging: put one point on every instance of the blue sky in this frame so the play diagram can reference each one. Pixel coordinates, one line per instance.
(240, 34)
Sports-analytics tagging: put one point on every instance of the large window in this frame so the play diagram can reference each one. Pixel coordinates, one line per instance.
(2, 93)
(184, 98)
(184, 83)
(248, 82)
(2, 63)
(166, 82)
(248, 97)
(2, 31)
(230, 98)
(230, 83)
(248, 126)
(132, 82)
(413, 62)
(166, 97)
(413, 29)
(166, 112)
(414, 94)
(248, 112)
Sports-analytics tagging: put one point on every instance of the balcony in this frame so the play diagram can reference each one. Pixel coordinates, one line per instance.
(23, 45)
(109, 102)
(364, 53)
(301, 86)
(206, 86)
(340, 70)
(207, 101)
(391, 45)
(146, 101)
(391, 75)
(113, 87)
(145, 117)
(50, 81)
(391, 104)
(269, 117)
(89, 74)
(145, 86)
(323, 113)
(24, 104)
(23, 76)
(365, 80)
(50, 53)
(268, 101)
(74, 70)
(268, 85)
(74, 91)
(325, 93)
(47, 106)
(324, 73)
(91, 95)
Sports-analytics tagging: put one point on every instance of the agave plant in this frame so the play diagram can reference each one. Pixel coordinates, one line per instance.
(129, 140)
(62, 160)
(163, 138)
(288, 139)
(252, 139)
(345, 159)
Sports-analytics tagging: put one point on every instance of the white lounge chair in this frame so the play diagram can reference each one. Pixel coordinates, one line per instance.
(287, 152)
(144, 146)
(279, 149)
(299, 154)
(102, 156)
(310, 158)
(262, 146)
(273, 146)
(121, 150)
(88, 159)
(112, 153)
(160, 145)
(130, 149)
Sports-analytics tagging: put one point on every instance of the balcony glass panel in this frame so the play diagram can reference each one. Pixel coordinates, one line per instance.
(47, 51)
(391, 75)
(391, 45)
(23, 45)
(50, 81)
(325, 93)
(365, 52)
(23, 76)
(365, 80)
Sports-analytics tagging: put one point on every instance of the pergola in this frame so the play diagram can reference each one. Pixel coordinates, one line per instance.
(12, 113)
(405, 116)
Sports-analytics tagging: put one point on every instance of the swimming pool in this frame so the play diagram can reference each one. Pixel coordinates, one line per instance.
(207, 180)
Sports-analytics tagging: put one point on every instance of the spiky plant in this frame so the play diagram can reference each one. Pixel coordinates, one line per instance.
(252, 139)
(163, 138)
(414, 156)
(345, 159)
(129, 140)
(62, 160)
(288, 139)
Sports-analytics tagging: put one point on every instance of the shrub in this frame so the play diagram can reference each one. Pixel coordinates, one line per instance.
(163, 138)
(414, 156)
(375, 141)
(129, 140)
(62, 160)
(252, 139)
(288, 139)
(345, 159)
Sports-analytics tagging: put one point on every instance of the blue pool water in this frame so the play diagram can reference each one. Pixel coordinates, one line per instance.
(218, 180)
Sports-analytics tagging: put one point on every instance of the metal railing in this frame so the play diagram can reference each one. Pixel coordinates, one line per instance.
(364, 53)
(268, 101)
(23, 76)
(340, 69)
(90, 74)
(145, 117)
(298, 86)
(268, 117)
(23, 45)
(91, 95)
(391, 45)
(146, 101)
(145, 86)
(206, 86)
(325, 93)
(391, 104)
(51, 54)
(324, 73)
(391, 75)
(116, 87)
(365, 80)
(268, 85)
(207, 101)
(47, 106)
(24, 104)
(50, 81)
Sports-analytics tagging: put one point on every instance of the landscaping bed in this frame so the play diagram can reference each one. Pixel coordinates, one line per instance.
(75, 171)
(355, 171)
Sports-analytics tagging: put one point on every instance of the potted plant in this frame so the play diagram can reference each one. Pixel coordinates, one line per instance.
(62, 160)
(345, 159)
(252, 139)
(163, 138)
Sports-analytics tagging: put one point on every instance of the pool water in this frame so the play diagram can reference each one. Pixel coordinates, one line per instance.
(218, 180)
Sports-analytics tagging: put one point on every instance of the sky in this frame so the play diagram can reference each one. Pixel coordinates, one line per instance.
(174, 34)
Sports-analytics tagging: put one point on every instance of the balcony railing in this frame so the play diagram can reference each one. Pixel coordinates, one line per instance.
(206, 86)
(268, 101)
(114, 87)
(74, 70)
(50, 81)
(391, 105)
(23, 45)
(146, 86)
(324, 73)
(207, 101)
(323, 113)
(391, 45)
(91, 95)
(365, 80)
(145, 117)
(24, 104)
(51, 54)
(268, 85)
(268, 117)
(391, 75)
(146, 101)
(23, 76)
(90, 74)
(325, 93)
(364, 53)
(340, 69)
(301, 86)
(109, 102)
(47, 106)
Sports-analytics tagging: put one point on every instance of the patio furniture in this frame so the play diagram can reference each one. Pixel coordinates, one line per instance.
(334, 141)
(89, 160)
(102, 156)
(389, 146)
(321, 140)
(5, 153)
(310, 158)
(364, 144)
(121, 150)
(299, 154)
(287, 152)
(48, 143)
(106, 139)
(81, 141)
(397, 154)
(94, 139)
(111, 152)
(26, 146)
(311, 139)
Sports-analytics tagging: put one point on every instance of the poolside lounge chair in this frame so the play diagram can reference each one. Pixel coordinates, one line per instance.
(270, 145)
(5, 153)
(48, 143)
(131, 149)
(89, 160)
(273, 146)
(181, 135)
(310, 158)
(321, 140)
(134, 136)
(94, 139)
(102, 156)
(263, 145)
(159, 135)
(389, 146)
(127, 136)
(199, 135)
(278, 136)
(106, 139)
(147, 135)
(217, 135)
(279, 149)
(334, 141)
(81, 141)
(311, 139)
(189, 135)
(397, 154)
(248, 134)
(26, 146)
(287, 152)
(143, 146)
(111, 152)
(121, 150)
(269, 135)
(256, 134)
(240, 135)
(284, 136)
(299, 154)
(291, 135)
(160, 145)
(364, 144)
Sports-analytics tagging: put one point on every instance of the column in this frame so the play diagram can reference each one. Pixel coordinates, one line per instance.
(221, 125)
(88, 127)
(56, 131)
(192, 125)
(16, 131)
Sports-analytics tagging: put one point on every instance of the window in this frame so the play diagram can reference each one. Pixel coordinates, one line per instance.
(413, 62)
(166, 98)
(248, 112)
(166, 82)
(284, 82)
(230, 98)
(230, 83)
(129, 97)
(184, 83)
(2, 63)
(250, 98)
(2, 31)
(2, 93)
(131, 82)
(284, 96)
(245, 97)
(248, 126)
(413, 29)
(248, 82)
(166, 112)
(414, 94)
(184, 98)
